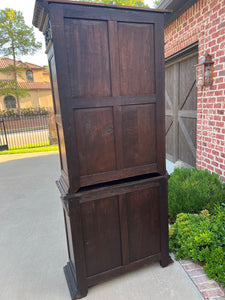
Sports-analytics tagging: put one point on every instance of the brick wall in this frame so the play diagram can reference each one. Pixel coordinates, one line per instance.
(205, 22)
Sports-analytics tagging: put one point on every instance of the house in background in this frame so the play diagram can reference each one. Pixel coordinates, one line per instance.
(32, 77)
(195, 124)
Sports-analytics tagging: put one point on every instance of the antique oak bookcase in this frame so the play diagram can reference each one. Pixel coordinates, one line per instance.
(107, 74)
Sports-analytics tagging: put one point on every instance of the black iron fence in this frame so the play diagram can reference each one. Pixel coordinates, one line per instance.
(25, 131)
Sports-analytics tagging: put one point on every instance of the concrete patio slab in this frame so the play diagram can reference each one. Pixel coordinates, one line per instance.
(33, 245)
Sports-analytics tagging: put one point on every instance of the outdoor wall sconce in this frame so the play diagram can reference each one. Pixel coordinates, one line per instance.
(204, 71)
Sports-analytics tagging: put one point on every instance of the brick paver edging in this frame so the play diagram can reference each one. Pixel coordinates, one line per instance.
(209, 288)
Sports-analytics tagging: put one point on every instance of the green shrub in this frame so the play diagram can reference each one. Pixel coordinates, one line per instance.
(202, 238)
(29, 111)
(190, 191)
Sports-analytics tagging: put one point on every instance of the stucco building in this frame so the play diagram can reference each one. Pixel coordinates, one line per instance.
(32, 77)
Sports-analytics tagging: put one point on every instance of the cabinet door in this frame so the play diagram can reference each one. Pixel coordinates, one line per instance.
(95, 140)
(143, 222)
(101, 233)
(136, 59)
(138, 135)
(89, 68)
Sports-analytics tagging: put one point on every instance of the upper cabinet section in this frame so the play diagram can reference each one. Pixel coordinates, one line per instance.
(109, 74)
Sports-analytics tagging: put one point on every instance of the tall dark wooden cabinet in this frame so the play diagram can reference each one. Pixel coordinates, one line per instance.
(107, 74)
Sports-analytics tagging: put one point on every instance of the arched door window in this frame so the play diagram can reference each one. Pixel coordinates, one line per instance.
(10, 102)
(30, 76)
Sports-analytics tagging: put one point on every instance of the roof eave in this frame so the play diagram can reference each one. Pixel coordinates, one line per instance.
(178, 7)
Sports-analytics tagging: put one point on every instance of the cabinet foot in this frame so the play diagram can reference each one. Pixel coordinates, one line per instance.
(75, 293)
(164, 262)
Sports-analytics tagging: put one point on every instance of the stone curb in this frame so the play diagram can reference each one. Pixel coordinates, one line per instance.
(209, 288)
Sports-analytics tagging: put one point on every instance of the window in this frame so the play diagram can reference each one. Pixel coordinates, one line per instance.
(10, 102)
(30, 76)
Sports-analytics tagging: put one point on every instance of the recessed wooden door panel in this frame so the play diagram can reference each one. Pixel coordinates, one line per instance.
(88, 50)
(187, 140)
(136, 59)
(171, 97)
(181, 109)
(188, 89)
(143, 222)
(101, 230)
(187, 116)
(170, 146)
(95, 140)
(138, 135)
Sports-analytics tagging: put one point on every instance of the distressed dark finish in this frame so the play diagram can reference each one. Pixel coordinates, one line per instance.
(143, 216)
(136, 56)
(88, 51)
(107, 68)
(122, 228)
(107, 74)
(101, 230)
(95, 139)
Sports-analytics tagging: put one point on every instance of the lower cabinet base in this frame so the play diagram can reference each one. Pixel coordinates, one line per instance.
(93, 280)
(113, 229)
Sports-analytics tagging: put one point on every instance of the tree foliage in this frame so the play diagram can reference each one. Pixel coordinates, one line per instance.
(16, 39)
(137, 3)
(46, 67)
(12, 87)
(156, 3)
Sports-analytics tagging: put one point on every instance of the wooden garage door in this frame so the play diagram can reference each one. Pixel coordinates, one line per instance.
(181, 109)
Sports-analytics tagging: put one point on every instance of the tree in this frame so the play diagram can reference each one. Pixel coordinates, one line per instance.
(46, 67)
(156, 3)
(137, 3)
(16, 39)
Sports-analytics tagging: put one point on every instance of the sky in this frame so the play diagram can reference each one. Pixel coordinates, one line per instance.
(27, 8)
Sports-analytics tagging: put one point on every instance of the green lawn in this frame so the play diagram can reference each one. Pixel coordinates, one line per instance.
(30, 150)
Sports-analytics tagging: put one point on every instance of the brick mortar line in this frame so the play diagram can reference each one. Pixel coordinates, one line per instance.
(208, 281)
(211, 289)
(198, 275)
(195, 269)
(195, 283)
